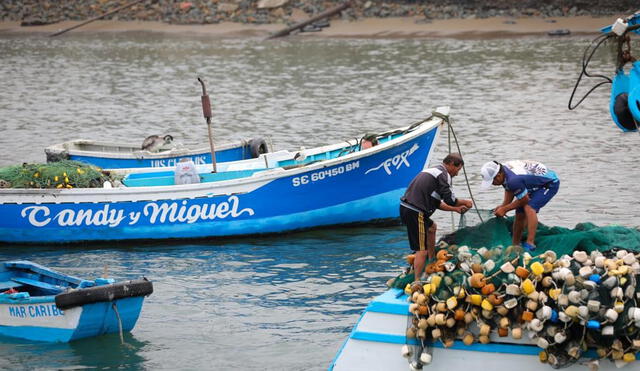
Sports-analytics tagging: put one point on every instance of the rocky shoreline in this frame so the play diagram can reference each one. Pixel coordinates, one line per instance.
(40, 12)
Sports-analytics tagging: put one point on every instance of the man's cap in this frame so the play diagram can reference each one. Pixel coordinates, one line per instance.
(488, 172)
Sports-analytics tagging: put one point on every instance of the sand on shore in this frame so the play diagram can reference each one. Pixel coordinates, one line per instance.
(406, 27)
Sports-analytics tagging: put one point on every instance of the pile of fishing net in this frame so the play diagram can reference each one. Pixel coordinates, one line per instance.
(63, 174)
(577, 296)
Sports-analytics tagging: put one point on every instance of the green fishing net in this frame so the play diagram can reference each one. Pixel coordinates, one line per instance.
(493, 238)
(584, 236)
(63, 174)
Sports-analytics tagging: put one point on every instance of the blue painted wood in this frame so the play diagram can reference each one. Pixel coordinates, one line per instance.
(350, 189)
(28, 308)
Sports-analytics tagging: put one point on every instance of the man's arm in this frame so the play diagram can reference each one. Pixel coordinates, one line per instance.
(508, 197)
(443, 188)
(502, 210)
(458, 208)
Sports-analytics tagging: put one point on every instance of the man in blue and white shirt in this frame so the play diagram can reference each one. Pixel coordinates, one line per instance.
(532, 185)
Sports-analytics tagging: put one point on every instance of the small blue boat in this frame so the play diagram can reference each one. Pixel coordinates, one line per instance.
(37, 303)
(109, 155)
(337, 184)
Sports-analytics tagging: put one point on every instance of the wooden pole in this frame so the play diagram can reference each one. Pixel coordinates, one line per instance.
(325, 14)
(96, 18)
(206, 111)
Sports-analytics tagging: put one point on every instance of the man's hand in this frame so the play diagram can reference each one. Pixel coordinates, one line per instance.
(500, 211)
(467, 203)
(461, 209)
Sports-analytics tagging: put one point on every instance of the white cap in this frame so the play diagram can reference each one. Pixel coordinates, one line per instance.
(488, 172)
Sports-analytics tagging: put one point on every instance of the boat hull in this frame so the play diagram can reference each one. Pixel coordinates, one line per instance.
(40, 304)
(43, 321)
(118, 156)
(376, 341)
(356, 188)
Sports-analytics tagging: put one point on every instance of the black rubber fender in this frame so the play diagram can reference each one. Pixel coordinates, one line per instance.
(257, 146)
(622, 111)
(114, 291)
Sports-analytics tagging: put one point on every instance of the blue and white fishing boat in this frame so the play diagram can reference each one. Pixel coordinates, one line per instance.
(338, 184)
(37, 303)
(378, 340)
(109, 155)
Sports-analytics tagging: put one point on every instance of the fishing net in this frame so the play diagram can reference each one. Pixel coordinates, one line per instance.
(63, 174)
(578, 290)
(584, 236)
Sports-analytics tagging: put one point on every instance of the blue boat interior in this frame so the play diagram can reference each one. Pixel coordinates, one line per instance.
(166, 178)
(21, 280)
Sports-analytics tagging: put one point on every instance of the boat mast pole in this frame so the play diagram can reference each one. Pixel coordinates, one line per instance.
(206, 110)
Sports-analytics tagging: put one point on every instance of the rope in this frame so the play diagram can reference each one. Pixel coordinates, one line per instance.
(587, 59)
(115, 309)
(464, 169)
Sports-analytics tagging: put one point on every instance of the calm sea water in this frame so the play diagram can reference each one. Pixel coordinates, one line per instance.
(288, 302)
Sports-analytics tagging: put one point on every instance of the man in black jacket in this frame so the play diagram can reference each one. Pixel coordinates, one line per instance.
(428, 191)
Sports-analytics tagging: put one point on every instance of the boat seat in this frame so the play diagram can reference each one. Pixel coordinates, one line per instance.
(38, 284)
(6, 285)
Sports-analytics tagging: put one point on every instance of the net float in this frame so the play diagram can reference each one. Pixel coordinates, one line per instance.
(486, 305)
(485, 329)
(468, 339)
(543, 356)
(411, 333)
(527, 286)
(516, 333)
(513, 289)
(425, 358)
(522, 272)
(580, 256)
(436, 333)
(504, 322)
(475, 299)
(405, 351)
(450, 322)
(452, 302)
(608, 331)
(536, 268)
(495, 300)
(507, 267)
(542, 343)
(423, 324)
(571, 311)
(559, 337)
(527, 316)
(629, 357)
(488, 289)
(511, 303)
(536, 325)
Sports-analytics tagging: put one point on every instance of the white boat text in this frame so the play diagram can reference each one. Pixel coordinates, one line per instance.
(171, 162)
(324, 174)
(35, 311)
(396, 161)
(152, 212)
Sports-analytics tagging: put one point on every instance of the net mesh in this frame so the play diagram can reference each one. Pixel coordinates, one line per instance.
(63, 174)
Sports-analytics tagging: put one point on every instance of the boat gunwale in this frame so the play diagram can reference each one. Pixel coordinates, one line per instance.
(136, 153)
(212, 189)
